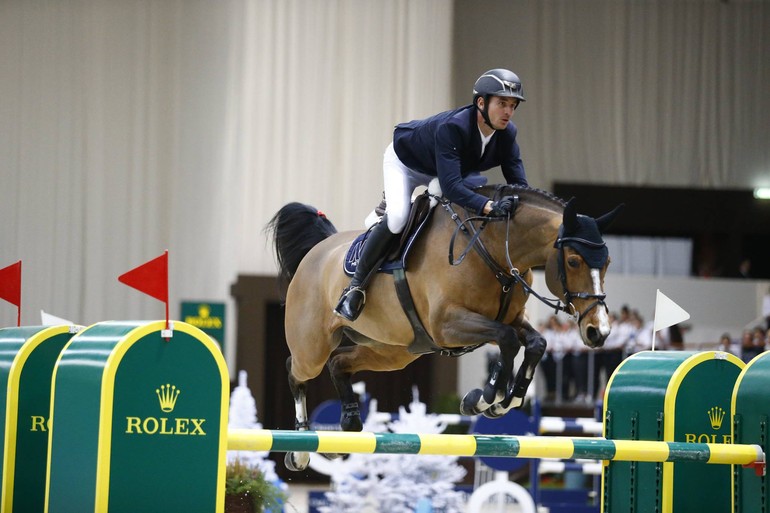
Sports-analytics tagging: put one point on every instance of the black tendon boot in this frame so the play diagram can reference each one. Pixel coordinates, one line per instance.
(374, 252)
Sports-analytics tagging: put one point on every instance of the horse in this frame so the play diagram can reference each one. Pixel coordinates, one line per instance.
(457, 304)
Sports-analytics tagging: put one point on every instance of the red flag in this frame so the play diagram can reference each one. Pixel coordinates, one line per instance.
(150, 278)
(10, 286)
(10, 283)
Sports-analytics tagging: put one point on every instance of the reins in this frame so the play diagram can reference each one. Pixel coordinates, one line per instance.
(510, 277)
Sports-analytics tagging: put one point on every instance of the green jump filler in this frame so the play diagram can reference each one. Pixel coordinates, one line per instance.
(139, 421)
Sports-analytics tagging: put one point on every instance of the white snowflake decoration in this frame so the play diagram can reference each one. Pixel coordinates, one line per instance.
(243, 415)
(396, 483)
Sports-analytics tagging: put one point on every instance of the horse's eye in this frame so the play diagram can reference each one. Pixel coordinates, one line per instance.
(573, 262)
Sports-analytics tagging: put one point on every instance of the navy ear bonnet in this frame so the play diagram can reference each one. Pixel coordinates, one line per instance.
(586, 239)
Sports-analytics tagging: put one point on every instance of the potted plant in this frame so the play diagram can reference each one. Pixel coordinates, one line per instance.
(247, 490)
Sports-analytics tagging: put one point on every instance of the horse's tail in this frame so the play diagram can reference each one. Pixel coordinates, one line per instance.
(296, 228)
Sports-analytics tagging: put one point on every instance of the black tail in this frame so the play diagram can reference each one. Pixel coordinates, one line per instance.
(296, 228)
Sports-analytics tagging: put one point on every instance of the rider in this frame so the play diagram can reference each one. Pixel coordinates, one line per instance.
(450, 145)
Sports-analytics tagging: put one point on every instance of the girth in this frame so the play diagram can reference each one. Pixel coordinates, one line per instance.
(423, 343)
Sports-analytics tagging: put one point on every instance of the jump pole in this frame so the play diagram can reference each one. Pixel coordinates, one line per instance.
(338, 442)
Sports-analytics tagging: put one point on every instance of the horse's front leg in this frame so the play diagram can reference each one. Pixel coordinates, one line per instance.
(534, 348)
(479, 329)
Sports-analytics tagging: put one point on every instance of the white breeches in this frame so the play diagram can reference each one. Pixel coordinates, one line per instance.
(400, 182)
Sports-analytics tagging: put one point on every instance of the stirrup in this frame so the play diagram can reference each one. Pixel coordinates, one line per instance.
(345, 308)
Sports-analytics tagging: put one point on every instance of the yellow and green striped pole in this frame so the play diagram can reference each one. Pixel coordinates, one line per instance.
(339, 442)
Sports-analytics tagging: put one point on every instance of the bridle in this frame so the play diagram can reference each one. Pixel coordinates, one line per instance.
(511, 276)
(569, 295)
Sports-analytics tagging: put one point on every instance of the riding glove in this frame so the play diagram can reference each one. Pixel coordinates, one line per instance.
(502, 207)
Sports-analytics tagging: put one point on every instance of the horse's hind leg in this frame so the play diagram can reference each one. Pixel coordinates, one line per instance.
(297, 460)
(346, 361)
(350, 418)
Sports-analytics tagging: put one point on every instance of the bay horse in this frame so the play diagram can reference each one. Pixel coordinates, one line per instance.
(460, 304)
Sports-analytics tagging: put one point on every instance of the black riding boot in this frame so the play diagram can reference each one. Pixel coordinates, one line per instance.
(374, 252)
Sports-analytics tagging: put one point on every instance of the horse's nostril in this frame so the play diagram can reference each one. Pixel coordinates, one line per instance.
(596, 338)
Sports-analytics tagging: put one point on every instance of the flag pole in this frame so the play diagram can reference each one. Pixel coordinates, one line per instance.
(18, 307)
(169, 332)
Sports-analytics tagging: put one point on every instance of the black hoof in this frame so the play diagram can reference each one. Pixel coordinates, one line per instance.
(469, 404)
(350, 420)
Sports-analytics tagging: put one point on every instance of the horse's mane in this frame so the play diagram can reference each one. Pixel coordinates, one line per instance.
(529, 195)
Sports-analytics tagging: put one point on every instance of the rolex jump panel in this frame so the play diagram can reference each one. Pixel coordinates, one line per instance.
(139, 421)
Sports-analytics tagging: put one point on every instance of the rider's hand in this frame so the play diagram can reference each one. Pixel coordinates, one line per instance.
(501, 207)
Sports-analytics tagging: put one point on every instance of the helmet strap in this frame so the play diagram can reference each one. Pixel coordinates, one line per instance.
(484, 111)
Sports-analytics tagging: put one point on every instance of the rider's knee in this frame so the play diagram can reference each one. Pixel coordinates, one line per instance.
(397, 220)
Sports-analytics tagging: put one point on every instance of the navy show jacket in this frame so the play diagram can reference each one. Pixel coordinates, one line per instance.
(448, 145)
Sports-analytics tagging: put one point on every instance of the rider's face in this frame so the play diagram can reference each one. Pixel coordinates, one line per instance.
(500, 111)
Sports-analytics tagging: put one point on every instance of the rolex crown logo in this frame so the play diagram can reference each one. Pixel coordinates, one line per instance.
(167, 395)
(716, 416)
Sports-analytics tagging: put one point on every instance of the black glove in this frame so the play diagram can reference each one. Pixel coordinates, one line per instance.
(502, 207)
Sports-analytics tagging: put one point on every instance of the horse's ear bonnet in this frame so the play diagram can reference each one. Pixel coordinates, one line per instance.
(584, 234)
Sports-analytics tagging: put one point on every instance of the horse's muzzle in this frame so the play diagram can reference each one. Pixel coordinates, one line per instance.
(594, 338)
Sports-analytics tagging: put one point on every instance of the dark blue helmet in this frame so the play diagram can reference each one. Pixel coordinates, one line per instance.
(498, 82)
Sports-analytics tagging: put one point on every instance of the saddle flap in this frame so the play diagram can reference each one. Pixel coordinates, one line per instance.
(418, 217)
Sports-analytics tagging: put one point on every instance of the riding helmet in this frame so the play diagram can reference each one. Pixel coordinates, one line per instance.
(498, 82)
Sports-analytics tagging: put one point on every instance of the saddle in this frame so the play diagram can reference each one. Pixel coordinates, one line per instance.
(396, 262)
(419, 214)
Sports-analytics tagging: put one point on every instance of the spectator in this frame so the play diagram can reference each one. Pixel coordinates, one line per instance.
(551, 331)
(578, 360)
(675, 337)
(641, 339)
(760, 341)
(766, 309)
(727, 345)
(609, 357)
(749, 348)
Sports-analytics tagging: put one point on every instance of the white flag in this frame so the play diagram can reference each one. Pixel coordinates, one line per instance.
(667, 313)
(51, 320)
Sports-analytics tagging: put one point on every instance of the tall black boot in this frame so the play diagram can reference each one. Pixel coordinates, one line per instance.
(374, 252)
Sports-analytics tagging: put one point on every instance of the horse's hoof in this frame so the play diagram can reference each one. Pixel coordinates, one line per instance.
(352, 424)
(350, 420)
(495, 412)
(472, 403)
(331, 456)
(493, 395)
(296, 461)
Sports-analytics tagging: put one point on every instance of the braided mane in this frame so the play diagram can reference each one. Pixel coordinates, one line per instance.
(535, 197)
